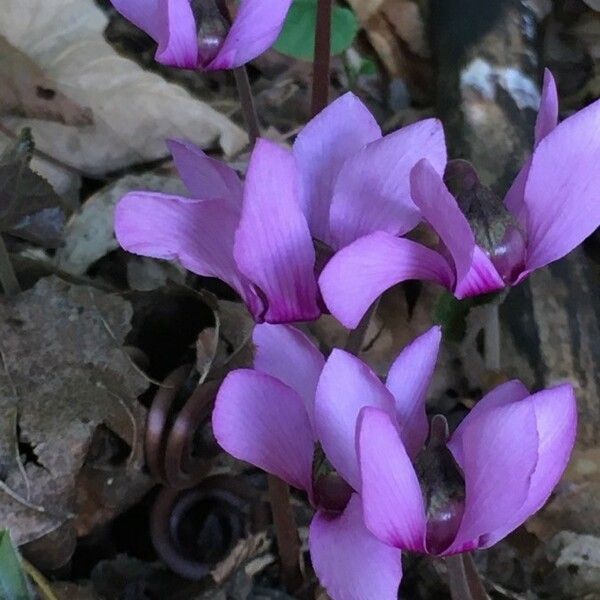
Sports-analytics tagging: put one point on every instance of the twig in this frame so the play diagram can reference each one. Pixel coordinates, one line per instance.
(463, 578)
(8, 279)
(356, 338)
(286, 531)
(322, 59)
(42, 583)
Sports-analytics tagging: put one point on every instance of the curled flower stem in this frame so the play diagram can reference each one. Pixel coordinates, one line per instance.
(322, 60)
(286, 532)
(464, 580)
(10, 283)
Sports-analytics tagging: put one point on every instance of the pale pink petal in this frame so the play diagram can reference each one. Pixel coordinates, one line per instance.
(350, 562)
(440, 209)
(378, 176)
(359, 273)
(562, 193)
(393, 505)
(547, 118)
(205, 177)
(321, 148)
(482, 277)
(346, 386)
(499, 455)
(287, 354)
(260, 420)
(408, 380)
(273, 246)
(255, 28)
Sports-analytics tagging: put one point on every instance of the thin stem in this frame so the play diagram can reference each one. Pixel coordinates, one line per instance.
(8, 279)
(492, 337)
(40, 581)
(463, 578)
(322, 60)
(356, 338)
(286, 532)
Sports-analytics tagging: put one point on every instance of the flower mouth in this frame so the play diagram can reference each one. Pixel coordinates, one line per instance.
(331, 492)
(212, 29)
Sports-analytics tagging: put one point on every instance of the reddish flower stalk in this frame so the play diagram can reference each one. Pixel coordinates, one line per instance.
(322, 58)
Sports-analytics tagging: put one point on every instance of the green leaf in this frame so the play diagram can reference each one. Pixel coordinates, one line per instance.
(13, 585)
(297, 38)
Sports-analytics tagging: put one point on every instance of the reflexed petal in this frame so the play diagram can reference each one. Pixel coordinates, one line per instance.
(350, 562)
(547, 118)
(556, 416)
(255, 28)
(358, 274)
(392, 501)
(346, 386)
(197, 233)
(500, 454)
(287, 354)
(273, 246)
(378, 176)
(262, 421)
(482, 277)
(205, 177)
(321, 148)
(408, 380)
(142, 13)
(562, 193)
(439, 208)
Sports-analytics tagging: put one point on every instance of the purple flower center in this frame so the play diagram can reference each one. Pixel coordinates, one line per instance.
(331, 493)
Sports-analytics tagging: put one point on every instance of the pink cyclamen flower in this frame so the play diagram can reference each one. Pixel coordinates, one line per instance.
(554, 204)
(192, 34)
(259, 237)
(293, 409)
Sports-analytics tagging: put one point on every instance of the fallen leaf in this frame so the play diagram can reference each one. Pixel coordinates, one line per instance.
(63, 374)
(27, 92)
(133, 110)
(245, 550)
(595, 4)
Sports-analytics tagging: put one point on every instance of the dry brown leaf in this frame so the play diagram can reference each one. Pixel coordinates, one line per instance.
(244, 550)
(134, 110)
(63, 377)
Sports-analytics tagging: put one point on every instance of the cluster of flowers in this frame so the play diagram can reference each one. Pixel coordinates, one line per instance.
(320, 228)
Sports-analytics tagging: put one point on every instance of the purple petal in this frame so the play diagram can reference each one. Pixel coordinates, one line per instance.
(197, 233)
(482, 277)
(346, 386)
(256, 26)
(408, 380)
(262, 421)
(561, 193)
(205, 177)
(392, 501)
(440, 209)
(142, 13)
(321, 148)
(273, 246)
(350, 562)
(358, 274)
(378, 176)
(515, 197)
(499, 452)
(556, 416)
(547, 118)
(287, 354)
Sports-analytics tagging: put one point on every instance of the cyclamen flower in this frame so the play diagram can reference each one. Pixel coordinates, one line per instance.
(552, 206)
(192, 34)
(259, 237)
(500, 466)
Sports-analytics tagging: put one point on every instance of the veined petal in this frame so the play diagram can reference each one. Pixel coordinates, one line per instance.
(556, 417)
(205, 177)
(287, 354)
(346, 386)
(359, 273)
(197, 233)
(482, 277)
(440, 209)
(255, 28)
(260, 420)
(372, 192)
(393, 505)
(273, 246)
(408, 380)
(498, 458)
(335, 134)
(547, 118)
(562, 190)
(350, 562)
